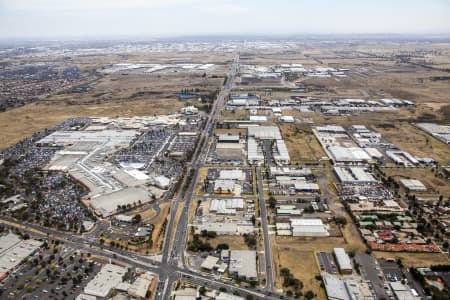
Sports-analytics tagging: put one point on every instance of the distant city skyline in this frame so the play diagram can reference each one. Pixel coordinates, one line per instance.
(162, 18)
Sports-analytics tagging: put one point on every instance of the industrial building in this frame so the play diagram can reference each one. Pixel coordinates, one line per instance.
(288, 210)
(440, 132)
(287, 119)
(403, 291)
(413, 185)
(226, 206)
(343, 261)
(225, 138)
(224, 186)
(221, 228)
(308, 227)
(354, 175)
(281, 154)
(287, 171)
(258, 119)
(189, 110)
(345, 289)
(105, 280)
(348, 154)
(237, 174)
(264, 133)
(254, 152)
(243, 264)
(402, 158)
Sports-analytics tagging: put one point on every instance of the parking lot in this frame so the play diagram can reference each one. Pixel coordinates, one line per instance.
(326, 262)
(370, 270)
(55, 273)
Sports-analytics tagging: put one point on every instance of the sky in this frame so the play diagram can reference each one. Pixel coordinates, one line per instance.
(168, 18)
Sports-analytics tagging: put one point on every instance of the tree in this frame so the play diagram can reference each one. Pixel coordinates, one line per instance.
(137, 219)
(272, 202)
(220, 247)
(202, 290)
(342, 221)
(309, 295)
(211, 234)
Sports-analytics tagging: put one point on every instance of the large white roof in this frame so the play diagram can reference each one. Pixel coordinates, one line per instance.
(265, 132)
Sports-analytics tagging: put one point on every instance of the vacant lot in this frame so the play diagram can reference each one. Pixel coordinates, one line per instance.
(234, 242)
(301, 143)
(409, 138)
(22, 122)
(426, 176)
(159, 224)
(416, 259)
(298, 255)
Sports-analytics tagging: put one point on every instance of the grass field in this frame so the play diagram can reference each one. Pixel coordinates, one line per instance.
(416, 259)
(301, 143)
(157, 223)
(352, 237)
(234, 242)
(411, 139)
(22, 122)
(298, 255)
(426, 176)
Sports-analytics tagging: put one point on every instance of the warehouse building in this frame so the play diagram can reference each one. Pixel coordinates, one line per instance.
(265, 132)
(308, 227)
(224, 186)
(293, 172)
(348, 155)
(243, 264)
(281, 154)
(402, 158)
(189, 110)
(346, 289)
(413, 185)
(354, 175)
(224, 138)
(226, 206)
(343, 261)
(232, 175)
(254, 152)
(222, 228)
(287, 119)
(403, 291)
(258, 119)
(105, 280)
(440, 132)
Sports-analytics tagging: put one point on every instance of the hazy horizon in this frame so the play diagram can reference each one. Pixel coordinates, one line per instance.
(57, 19)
